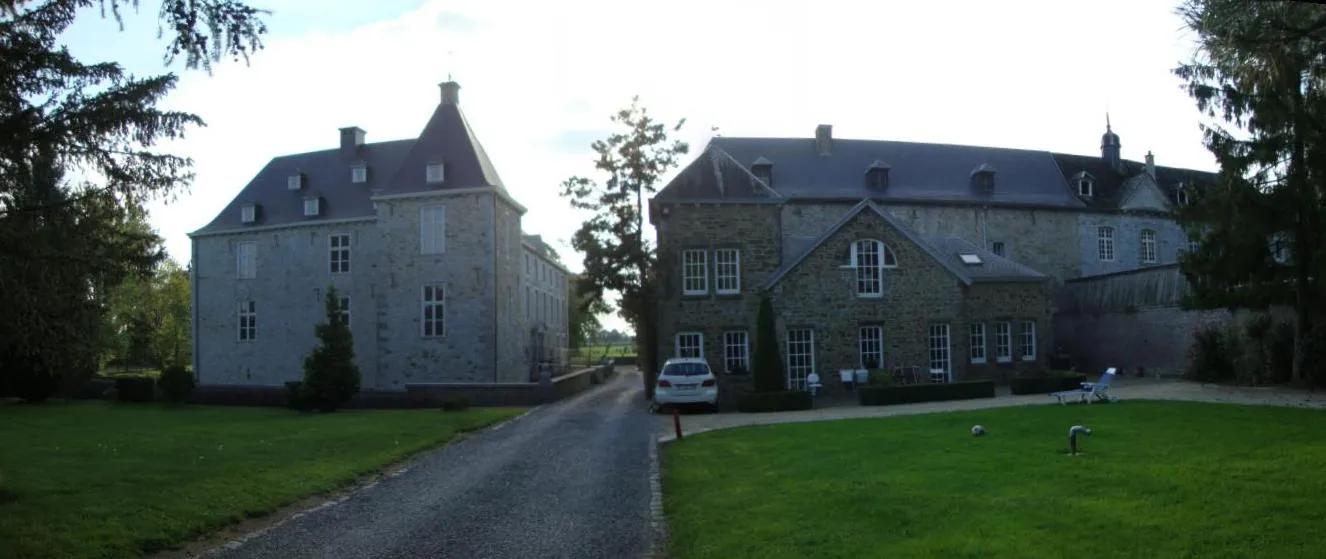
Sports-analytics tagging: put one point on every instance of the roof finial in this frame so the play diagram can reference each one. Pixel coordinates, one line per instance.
(449, 64)
(1107, 120)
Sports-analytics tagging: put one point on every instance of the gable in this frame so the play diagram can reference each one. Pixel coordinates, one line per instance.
(1141, 193)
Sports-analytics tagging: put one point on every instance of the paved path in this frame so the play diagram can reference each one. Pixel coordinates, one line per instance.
(567, 480)
(1124, 388)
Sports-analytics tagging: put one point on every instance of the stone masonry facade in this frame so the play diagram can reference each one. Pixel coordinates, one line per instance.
(819, 294)
(485, 334)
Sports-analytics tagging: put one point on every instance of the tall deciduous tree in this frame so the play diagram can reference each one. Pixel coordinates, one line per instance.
(1259, 69)
(618, 258)
(582, 313)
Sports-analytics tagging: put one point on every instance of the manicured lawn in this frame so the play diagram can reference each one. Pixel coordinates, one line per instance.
(615, 350)
(1157, 479)
(98, 479)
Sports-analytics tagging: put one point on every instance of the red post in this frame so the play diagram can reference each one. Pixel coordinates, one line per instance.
(676, 421)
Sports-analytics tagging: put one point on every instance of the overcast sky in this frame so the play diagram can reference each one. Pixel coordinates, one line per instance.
(540, 79)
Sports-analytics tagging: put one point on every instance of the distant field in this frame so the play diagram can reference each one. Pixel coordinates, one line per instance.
(614, 350)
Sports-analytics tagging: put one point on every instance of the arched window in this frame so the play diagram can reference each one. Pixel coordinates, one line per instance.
(870, 257)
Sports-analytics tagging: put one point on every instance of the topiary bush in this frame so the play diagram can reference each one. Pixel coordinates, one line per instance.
(929, 392)
(140, 389)
(177, 384)
(1213, 356)
(768, 362)
(1046, 382)
(331, 376)
(296, 398)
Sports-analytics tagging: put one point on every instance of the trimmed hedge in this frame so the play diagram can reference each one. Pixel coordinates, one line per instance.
(1045, 384)
(933, 392)
(136, 389)
(773, 401)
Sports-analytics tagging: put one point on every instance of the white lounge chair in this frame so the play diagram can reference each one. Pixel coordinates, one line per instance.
(1090, 391)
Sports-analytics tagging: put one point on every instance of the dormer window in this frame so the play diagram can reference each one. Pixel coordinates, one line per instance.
(763, 169)
(295, 181)
(983, 178)
(312, 207)
(1085, 184)
(248, 213)
(436, 172)
(1181, 194)
(877, 176)
(358, 174)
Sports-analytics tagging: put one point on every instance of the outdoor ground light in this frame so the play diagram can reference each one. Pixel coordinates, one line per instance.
(1072, 437)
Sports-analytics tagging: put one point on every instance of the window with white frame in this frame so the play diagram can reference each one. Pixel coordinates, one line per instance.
(338, 253)
(248, 213)
(1105, 243)
(736, 352)
(248, 321)
(940, 361)
(433, 229)
(436, 172)
(1003, 342)
(870, 347)
(869, 258)
(344, 303)
(246, 260)
(690, 344)
(433, 311)
(727, 271)
(800, 357)
(1085, 187)
(694, 272)
(1181, 194)
(977, 342)
(311, 207)
(358, 174)
(295, 181)
(1148, 248)
(1027, 340)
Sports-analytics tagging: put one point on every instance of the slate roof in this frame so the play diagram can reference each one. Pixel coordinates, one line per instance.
(945, 251)
(394, 167)
(918, 172)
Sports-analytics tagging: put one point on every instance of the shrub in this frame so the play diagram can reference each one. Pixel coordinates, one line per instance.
(774, 401)
(931, 392)
(768, 365)
(136, 389)
(1213, 355)
(879, 377)
(176, 383)
(1281, 347)
(296, 398)
(331, 376)
(457, 403)
(1046, 382)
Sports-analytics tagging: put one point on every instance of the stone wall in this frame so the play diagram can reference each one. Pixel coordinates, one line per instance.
(291, 277)
(1170, 242)
(820, 293)
(1033, 237)
(512, 335)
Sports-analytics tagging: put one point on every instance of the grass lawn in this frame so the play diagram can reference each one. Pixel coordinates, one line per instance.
(99, 479)
(1157, 479)
(615, 350)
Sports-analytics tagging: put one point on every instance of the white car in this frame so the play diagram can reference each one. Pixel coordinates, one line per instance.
(686, 380)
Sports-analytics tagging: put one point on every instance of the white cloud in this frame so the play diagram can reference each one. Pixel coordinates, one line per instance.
(1036, 74)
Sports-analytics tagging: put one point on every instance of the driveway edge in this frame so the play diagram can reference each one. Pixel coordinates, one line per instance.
(658, 526)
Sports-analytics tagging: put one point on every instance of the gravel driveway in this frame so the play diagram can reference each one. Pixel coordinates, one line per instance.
(567, 480)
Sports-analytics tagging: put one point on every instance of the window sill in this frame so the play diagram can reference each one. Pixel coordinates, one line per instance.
(1029, 359)
(870, 296)
(978, 362)
(1003, 360)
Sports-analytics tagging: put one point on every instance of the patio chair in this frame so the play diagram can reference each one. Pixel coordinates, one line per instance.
(848, 378)
(1089, 391)
(813, 383)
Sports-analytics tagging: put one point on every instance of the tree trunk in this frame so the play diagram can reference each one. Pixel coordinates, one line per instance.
(1303, 247)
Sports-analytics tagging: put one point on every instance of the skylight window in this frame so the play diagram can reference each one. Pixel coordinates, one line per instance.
(970, 259)
(358, 174)
(295, 181)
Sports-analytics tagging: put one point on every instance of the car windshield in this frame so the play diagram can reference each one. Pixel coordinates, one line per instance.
(686, 370)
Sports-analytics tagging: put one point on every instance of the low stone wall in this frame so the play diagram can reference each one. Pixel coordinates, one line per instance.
(421, 395)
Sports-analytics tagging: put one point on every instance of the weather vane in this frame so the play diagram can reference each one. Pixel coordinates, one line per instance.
(449, 64)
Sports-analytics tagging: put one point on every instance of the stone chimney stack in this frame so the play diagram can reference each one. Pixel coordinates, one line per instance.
(351, 138)
(824, 139)
(1150, 164)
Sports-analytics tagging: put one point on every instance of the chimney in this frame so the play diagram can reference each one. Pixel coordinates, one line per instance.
(450, 93)
(824, 138)
(351, 138)
(1150, 164)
